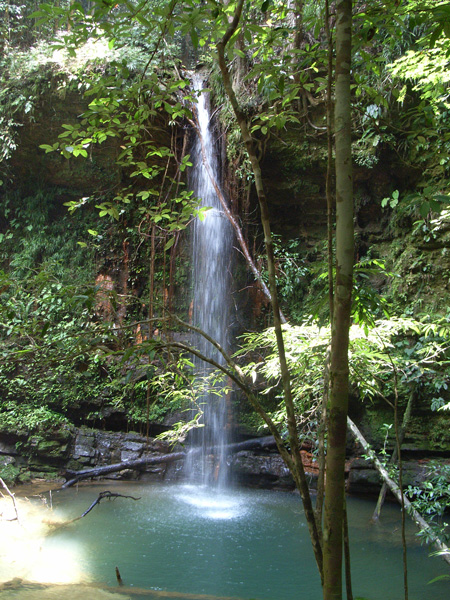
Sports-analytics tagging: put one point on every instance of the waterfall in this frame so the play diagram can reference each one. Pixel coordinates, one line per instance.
(211, 293)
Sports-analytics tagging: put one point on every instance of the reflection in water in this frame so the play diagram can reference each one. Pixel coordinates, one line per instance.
(183, 542)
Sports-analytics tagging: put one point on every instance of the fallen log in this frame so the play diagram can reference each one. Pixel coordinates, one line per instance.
(138, 463)
(261, 443)
(417, 518)
(74, 477)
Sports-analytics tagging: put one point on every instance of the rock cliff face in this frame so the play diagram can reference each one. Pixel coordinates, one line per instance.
(80, 448)
(83, 448)
(294, 171)
(30, 164)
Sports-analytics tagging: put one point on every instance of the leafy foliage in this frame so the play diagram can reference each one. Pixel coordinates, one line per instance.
(416, 351)
(59, 363)
(431, 499)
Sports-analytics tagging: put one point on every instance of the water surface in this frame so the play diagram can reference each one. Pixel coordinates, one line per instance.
(184, 542)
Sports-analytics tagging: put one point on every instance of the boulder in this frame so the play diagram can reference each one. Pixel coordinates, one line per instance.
(265, 471)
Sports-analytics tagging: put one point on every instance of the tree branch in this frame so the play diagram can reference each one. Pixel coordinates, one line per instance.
(101, 497)
(254, 269)
(13, 498)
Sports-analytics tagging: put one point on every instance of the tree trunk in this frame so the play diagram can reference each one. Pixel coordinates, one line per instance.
(339, 371)
(321, 449)
(383, 491)
(348, 571)
(328, 183)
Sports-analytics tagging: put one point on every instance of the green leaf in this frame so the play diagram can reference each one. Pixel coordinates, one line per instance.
(424, 209)
(170, 243)
(47, 148)
(439, 578)
(435, 205)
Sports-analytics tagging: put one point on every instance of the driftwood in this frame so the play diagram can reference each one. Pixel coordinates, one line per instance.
(74, 477)
(417, 518)
(56, 526)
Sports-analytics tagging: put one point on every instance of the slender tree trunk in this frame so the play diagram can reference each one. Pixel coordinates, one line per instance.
(321, 458)
(348, 570)
(326, 382)
(400, 482)
(339, 371)
(384, 487)
(329, 159)
(7, 22)
(151, 295)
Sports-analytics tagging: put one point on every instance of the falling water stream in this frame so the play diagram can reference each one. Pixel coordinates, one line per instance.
(211, 295)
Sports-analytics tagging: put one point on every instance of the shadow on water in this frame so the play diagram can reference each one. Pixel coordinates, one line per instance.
(192, 543)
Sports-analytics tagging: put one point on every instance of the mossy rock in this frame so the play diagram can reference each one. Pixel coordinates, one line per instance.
(51, 448)
(373, 425)
(431, 432)
(75, 465)
(63, 434)
(24, 477)
(49, 475)
(37, 465)
(9, 473)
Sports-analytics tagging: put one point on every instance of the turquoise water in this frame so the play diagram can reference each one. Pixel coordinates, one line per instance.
(245, 544)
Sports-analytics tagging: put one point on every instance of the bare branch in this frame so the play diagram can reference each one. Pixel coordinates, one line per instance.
(13, 498)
